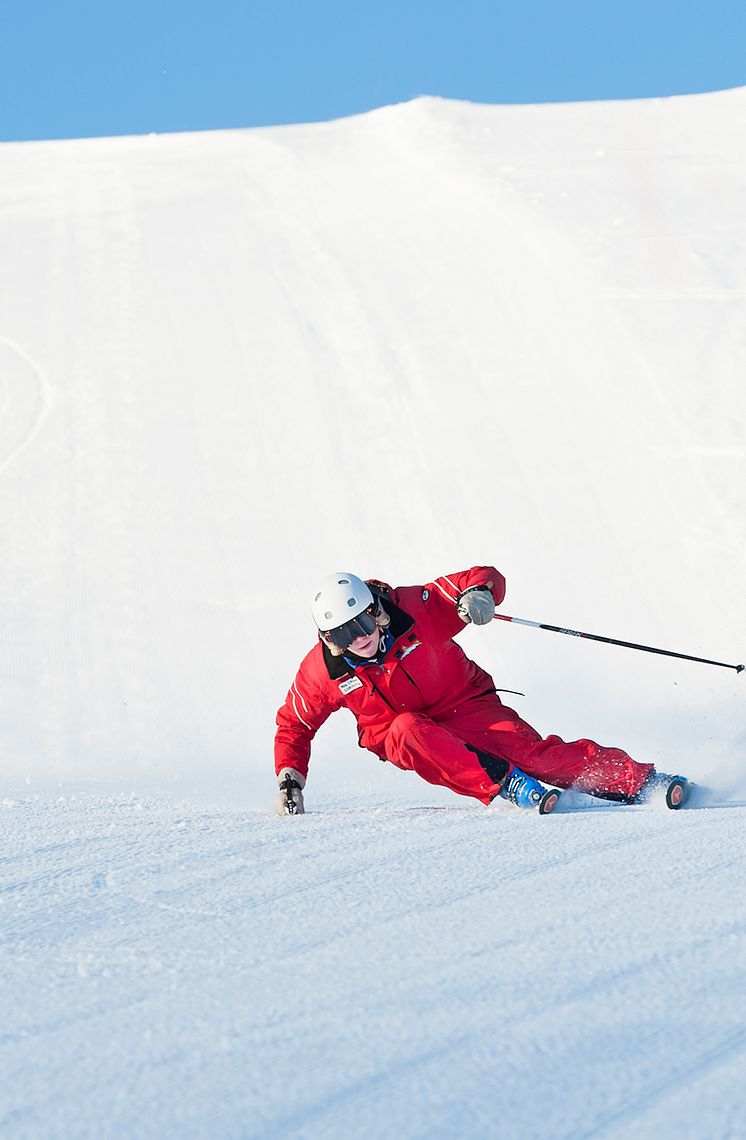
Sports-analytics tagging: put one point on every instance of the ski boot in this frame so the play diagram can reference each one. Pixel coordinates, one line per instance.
(676, 789)
(526, 792)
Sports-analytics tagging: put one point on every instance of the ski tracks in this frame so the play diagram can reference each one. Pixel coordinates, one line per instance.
(25, 399)
(633, 1118)
(402, 960)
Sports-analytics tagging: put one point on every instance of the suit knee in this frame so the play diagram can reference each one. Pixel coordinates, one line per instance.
(402, 729)
(403, 724)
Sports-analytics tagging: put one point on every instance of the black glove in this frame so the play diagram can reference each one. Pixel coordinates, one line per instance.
(289, 799)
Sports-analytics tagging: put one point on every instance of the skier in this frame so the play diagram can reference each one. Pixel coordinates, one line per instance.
(420, 703)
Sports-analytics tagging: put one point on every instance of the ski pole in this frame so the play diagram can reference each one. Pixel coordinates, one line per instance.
(614, 641)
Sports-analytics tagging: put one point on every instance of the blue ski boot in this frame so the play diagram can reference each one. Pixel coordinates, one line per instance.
(526, 792)
(676, 789)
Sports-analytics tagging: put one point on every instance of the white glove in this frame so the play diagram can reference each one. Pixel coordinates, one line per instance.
(476, 604)
(289, 799)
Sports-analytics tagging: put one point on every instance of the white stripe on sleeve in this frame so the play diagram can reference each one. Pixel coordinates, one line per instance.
(443, 592)
(295, 694)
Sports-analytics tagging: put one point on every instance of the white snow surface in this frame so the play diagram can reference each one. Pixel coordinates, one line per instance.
(431, 336)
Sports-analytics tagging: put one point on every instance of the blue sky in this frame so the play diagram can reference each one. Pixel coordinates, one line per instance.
(73, 68)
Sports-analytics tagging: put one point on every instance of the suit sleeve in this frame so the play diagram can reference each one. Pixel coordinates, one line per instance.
(443, 593)
(307, 705)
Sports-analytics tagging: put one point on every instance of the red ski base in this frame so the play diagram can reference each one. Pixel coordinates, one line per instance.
(549, 801)
(677, 793)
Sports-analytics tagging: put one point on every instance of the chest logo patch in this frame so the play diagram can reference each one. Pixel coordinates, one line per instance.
(410, 649)
(350, 685)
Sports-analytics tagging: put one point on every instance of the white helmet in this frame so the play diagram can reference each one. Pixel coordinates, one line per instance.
(338, 598)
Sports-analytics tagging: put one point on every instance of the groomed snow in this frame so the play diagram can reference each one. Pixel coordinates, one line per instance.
(403, 343)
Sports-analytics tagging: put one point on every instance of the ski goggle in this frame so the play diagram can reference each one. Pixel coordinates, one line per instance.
(361, 626)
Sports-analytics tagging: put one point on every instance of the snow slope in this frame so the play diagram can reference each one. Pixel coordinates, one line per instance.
(416, 972)
(433, 335)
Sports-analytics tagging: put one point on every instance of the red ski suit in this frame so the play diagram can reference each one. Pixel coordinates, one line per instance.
(425, 706)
